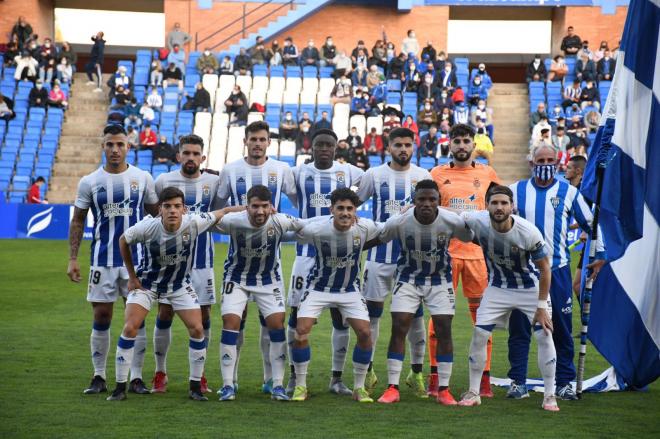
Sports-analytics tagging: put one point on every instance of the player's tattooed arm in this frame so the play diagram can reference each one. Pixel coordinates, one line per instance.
(75, 237)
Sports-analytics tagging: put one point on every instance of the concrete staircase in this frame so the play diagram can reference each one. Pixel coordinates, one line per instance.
(510, 118)
(80, 145)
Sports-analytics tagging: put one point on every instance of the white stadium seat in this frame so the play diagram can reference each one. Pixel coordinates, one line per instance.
(210, 83)
(273, 149)
(360, 122)
(245, 82)
(274, 97)
(220, 120)
(260, 83)
(307, 98)
(287, 148)
(291, 97)
(221, 96)
(310, 85)
(375, 122)
(326, 85)
(294, 85)
(227, 82)
(257, 96)
(302, 158)
(276, 84)
(254, 116)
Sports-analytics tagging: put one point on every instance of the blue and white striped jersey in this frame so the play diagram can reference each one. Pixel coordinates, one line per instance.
(253, 258)
(391, 191)
(200, 196)
(314, 187)
(509, 255)
(167, 258)
(238, 177)
(424, 257)
(117, 202)
(550, 210)
(337, 254)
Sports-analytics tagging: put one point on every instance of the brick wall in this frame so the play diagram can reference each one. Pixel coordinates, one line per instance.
(39, 13)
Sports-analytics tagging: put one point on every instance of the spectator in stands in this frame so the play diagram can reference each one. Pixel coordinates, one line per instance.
(461, 114)
(310, 55)
(322, 123)
(148, 138)
(242, 63)
(391, 119)
(458, 96)
(374, 77)
(428, 91)
(207, 63)
(585, 69)
(6, 109)
(485, 114)
(571, 43)
(379, 94)
(378, 55)
(132, 114)
(412, 78)
(355, 53)
(47, 70)
(305, 119)
(132, 137)
(26, 67)
(47, 60)
(12, 51)
(57, 97)
(156, 74)
(342, 92)
(429, 51)
(147, 113)
(173, 74)
(361, 59)
(34, 194)
(440, 60)
(410, 44)
(428, 146)
(237, 107)
(343, 64)
(560, 140)
(276, 59)
(447, 77)
(64, 72)
(606, 67)
(121, 78)
(485, 77)
(443, 138)
(304, 138)
(615, 51)
(590, 96)
(444, 100)
(260, 54)
(67, 53)
(445, 116)
(537, 115)
(573, 110)
(359, 77)
(477, 91)
(600, 53)
(427, 117)
(359, 105)
(95, 63)
(483, 145)
(373, 142)
(154, 100)
(558, 69)
(23, 32)
(542, 124)
(328, 52)
(396, 67)
(38, 95)
(177, 57)
(591, 120)
(290, 54)
(177, 37)
(386, 141)
(409, 122)
(163, 153)
(354, 139)
(579, 143)
(288, 127)
(390, 49)
(584, 50)
(122, 97)
(360, 158)
(575, 170)
(226, 66)
(343, 152)
(555, 114)
(572, 94)
(536, 70)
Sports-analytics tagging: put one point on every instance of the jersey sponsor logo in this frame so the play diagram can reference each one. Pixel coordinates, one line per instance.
(392, 207)
(123, 208)
(501, 260)
(173, 259)
(272, 178)
(340, 261)
(555, 202)
(270, 232)
(341, 177)
(433, 255)
(442, 239)
(463, 204)
(257, 252)
(319, 200)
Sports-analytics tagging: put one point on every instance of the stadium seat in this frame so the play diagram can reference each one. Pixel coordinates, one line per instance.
(260, 70)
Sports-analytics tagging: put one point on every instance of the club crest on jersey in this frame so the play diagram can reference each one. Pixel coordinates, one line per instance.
(356, 241)
(206, 190)
(555, 202)
(514, 249)
(341, 177)
(272, 178)
(270, 232)
(185, 237)
(442, 238)
(476, 183)
(413, 183)
(134, 186)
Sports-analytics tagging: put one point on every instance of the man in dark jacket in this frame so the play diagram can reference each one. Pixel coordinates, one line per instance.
(38, 95)
(536, 70)
(242, 63)
(395, 69)
(310, 55)
(200, 101)
(571, 43)
(96, 62)
(23, 31)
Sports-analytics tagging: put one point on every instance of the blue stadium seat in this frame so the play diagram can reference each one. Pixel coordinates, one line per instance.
(17, 197)
(260, 70)
(293, 72)
(427, 163)
(375, 160)
(326, 72)
(128, 64)
(309, 72)
(276, 71)
(462, 65)
(394, 85)
(192, 79)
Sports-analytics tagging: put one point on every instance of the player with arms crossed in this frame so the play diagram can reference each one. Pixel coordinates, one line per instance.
(117, 193)
(200, 191)
(315, 182)
(515, 253)
(164, 272)
(463, 184)
(338, 241)
(423, 277)
(392, 187)
(236, 179)
(253, 270)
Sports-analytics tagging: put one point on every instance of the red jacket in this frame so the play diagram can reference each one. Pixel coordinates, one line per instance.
(150, 139)
(34, 196)
(379, 142)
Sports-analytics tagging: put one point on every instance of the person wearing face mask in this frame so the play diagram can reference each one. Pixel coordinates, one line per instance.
(359, 105)
(121, 78)
(259, 53)
(38, 95)
(64, 71)
(310, 55)
(412, 77)
(288, 127)
(558, 69)
(276, 54)
(132, 114)
(201, 100)
(427, 90)
(359, 77)
(606, 66)
(304, 138)
(410, 43)
(237, 107)
(154, 100)
(374, 77)
(26, 67)
(177, 37)
(342, 92)
(328, 52)
(447, 76)
(485, 114)
(242, 63)
(378, 55)
(396, 67)
(485, 77)
(557, 202)
(354, 139)
(600, 53)
(429, 50)
(536, 70)
(555, 114)
(585, 68)
(477, 91)
(177, 57)
(426, 117)
(207, 63)
(290, 54)
(173, 74)
(226, 66)
(57, 97)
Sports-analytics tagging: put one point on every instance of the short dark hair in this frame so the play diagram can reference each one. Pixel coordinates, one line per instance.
(326, 131)
(461, 130)
(191, 139)
(342, 194)
(113, 129)
(261, 192)
(257, 125)
(401, 132)
(427, 184)
(43, 180)
(499, 189)
(579, 160)
(170, 193)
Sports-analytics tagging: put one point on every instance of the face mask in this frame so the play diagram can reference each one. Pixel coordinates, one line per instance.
(311, 44)
(288, 117)
(39, 86)
(444, 95)
(428, 80)
(447, 69)
(537, 60)
(477, 83)
(305, 129)
(47, 45)
(545, 173)
(207, 53)
(427, 107)
(329, 42)
(482, 106)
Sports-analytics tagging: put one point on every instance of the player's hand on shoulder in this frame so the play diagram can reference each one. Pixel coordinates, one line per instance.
(73, 270)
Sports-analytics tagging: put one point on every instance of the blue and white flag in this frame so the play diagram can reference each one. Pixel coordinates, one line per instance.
(625, 309)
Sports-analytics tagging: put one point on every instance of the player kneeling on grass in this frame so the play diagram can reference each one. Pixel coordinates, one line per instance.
(338, 240)
(515, 253)
(164, 271)
(423, 276)
(253, 269)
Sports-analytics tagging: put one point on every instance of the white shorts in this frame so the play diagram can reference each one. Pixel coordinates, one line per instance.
(181, 299)
(203, 282)
(269, 298)
(107, 284)
(438, 299)
(302, 266)
(497, 304)
(351, 305)
(378, 280)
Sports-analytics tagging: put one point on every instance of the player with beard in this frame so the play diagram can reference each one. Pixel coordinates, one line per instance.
(463, 184)
(200, 190)
(391, 186)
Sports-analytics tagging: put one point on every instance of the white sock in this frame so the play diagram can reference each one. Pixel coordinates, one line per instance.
(196, 358)
(301, 359)
(124, 358)
(374, 325)
(477, 357)
(162, 340)
(99, 343)
(359, 374)
(264, 344)
(417, 340)
(140, 351)
(394, 367)
(340, 340)
(444, 372)
(547, 360)
(290, 338)
(228, 356)
(239, 345)
(277, 355)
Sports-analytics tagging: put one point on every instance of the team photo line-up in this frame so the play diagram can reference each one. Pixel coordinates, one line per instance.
(152, 245)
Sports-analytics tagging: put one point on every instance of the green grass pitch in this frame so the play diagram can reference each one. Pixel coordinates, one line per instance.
(44, 365)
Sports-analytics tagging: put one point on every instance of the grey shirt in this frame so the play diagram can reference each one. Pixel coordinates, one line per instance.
(177, 37)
